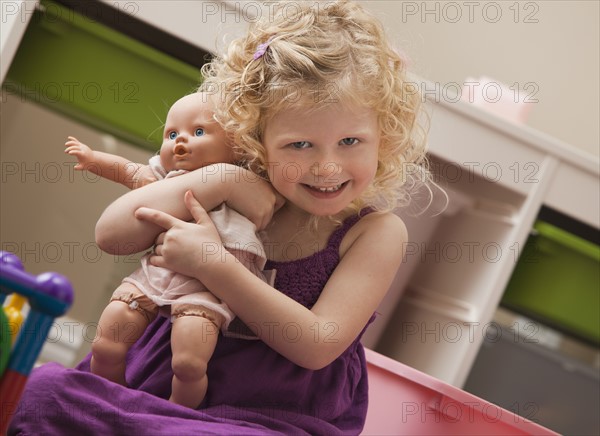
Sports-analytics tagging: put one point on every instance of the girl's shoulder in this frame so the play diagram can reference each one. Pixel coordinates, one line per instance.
(382, 228)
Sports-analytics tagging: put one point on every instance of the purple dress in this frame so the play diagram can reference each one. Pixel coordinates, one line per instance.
(251, 390)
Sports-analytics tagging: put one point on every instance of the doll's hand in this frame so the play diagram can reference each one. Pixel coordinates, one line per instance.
(187, 248)
(83, 153)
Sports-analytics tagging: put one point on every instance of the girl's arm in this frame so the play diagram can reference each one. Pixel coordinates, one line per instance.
(106, 165)
(371, 255)
(118, 231)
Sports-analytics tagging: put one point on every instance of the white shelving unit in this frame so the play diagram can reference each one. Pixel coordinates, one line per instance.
(15, 18)
(498, 176)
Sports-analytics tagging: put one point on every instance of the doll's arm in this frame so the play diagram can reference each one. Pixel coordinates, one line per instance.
(118, 231)
(109, 166)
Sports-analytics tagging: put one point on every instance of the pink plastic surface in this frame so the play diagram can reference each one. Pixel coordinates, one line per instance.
(405, 401)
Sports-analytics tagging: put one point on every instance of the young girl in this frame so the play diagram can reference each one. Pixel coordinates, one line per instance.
(191, 140)
(315, 98)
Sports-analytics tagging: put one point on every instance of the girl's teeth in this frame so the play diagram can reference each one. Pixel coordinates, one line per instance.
(330, 189)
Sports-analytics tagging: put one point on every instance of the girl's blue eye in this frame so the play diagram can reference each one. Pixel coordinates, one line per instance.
(300, 145)
(349, 141)
(199, 132)
(172, 134)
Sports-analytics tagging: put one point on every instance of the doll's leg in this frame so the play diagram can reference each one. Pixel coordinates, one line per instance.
(121, 324)
(193, 340)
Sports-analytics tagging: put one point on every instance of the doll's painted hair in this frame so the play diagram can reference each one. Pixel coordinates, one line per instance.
(308, 54)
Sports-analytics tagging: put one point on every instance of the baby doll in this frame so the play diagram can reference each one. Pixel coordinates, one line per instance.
(192, 139)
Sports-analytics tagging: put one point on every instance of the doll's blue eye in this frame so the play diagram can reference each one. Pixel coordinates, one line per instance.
(173, 134)
(199, 132)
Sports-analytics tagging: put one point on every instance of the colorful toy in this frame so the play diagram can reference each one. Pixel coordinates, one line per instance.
(14, 315)
(5, 341)
(49, 296)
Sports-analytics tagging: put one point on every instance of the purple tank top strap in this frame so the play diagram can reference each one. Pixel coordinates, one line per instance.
(336, 237)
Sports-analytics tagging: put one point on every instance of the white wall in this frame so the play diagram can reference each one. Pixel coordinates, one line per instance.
(548, 47)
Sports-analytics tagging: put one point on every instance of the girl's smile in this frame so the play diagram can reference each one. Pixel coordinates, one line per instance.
(322, 160)
(326, 191)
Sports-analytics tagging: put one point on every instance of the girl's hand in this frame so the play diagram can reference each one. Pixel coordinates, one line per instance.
(186, 248)
(252, 197)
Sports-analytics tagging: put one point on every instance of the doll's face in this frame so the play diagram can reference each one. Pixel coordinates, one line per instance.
(192, 138)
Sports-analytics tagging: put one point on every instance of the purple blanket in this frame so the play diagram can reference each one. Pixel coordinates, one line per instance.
(252, 390)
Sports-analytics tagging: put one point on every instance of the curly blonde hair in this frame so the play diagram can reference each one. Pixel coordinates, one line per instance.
(321, 53)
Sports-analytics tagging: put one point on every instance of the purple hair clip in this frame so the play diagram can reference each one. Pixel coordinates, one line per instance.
(262, 48)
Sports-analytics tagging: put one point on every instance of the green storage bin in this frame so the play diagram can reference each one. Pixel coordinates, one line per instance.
(557, 281)
(73, 64)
